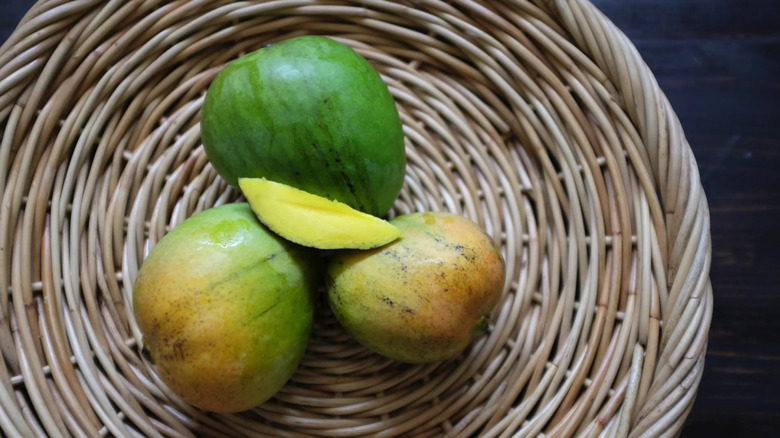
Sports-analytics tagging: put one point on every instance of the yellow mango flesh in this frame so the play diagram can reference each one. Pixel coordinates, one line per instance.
(312, 220)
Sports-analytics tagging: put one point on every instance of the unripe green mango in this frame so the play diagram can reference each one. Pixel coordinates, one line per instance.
(226, 308)
(311, 113)
(425, 296)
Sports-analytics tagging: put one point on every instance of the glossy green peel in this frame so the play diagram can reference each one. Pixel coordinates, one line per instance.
(311, 113)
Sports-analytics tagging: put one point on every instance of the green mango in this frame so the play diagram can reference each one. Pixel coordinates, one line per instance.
(311, 113)
(226, 308)
(424, 297)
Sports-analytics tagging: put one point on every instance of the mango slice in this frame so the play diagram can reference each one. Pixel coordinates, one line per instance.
(313, 221)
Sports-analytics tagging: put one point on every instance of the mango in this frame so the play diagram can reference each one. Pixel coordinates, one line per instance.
(226, 308)
(312, 220)
(311, 113)
(424, 297)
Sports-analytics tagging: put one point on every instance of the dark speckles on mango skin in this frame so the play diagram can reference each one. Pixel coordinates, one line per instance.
(423, 297)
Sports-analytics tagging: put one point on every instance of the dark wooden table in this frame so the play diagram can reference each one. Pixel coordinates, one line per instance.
(718, 61)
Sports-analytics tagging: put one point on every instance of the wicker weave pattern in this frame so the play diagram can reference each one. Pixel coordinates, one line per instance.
(539, 120)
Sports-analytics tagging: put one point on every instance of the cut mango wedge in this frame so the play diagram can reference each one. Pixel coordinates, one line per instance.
(314, 221)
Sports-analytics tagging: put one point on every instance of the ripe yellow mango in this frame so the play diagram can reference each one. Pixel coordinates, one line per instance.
(424, 297)
(226, 308)
(312, 220)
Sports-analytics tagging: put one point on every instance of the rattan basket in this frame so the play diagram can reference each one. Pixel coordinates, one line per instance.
(537, 119)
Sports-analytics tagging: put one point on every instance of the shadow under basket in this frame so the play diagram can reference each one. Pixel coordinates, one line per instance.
(537, 119)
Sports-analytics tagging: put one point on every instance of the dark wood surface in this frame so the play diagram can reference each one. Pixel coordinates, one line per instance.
(718, 61)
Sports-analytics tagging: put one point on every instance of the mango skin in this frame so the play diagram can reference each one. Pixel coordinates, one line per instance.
(226, 308)
(311, 113)
(424, 297)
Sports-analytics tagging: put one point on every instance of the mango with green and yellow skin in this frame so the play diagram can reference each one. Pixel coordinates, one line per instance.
(225, 308)
(424, 297)
(311, 113)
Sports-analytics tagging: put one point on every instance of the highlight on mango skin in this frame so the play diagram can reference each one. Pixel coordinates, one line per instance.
(314, 221)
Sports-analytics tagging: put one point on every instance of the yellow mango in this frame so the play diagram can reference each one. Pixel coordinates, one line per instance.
(226, 308)
(424, 297)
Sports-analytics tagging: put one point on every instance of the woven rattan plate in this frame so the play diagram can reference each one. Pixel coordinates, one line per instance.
(537, 119)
